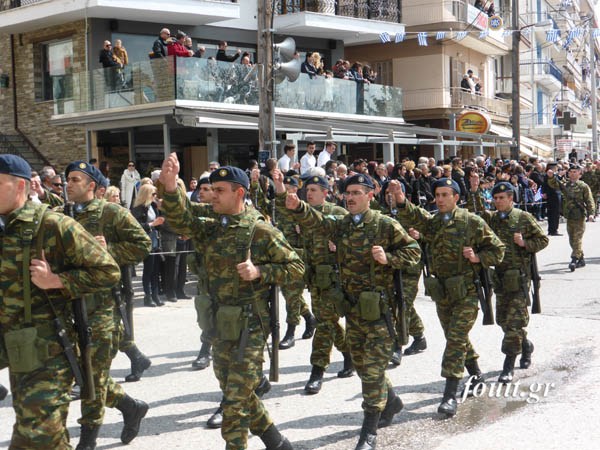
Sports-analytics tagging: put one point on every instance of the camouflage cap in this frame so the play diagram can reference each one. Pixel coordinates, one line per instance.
(292, 181)
(318, 180)
(361, 179)
(446, 182)
(230, 174)
(88, 169)
(503, 186)
(15, 165)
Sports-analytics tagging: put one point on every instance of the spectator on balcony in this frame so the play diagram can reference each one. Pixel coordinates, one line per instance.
(223, 56)
(491, 11)
(356, 72)
(199, 53)
(308, 65)
(319, 63)
(177, 47)
(160, 46)
(110, 64)
(121, 52)
(369, 74)
(339, 71)
(479, 5)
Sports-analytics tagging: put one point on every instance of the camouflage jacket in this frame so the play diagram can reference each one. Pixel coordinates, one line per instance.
(446, 239)
(316, 242)
(52, 199)
(83, 266)
(359, 272)
(592, 179)
(516, 221)
(578, 200)
(224, 241)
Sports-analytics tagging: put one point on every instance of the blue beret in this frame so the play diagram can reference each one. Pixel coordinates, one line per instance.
(447, 182)
(104, 182)
(503, 186)
(318, 180)
(204, 180)
(230, 174)
(15, 165)
(384, 188)
(363, 180)
(292, 181)
(88, 169)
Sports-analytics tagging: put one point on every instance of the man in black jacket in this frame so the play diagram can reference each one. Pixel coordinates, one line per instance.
(222, 56)
(110, 65)
(552, 199)
(159, 48)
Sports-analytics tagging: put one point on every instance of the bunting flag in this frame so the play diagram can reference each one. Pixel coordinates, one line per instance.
(526, 32)
(385, 38)
(575, 33)
(552, 35)
(422, 37)
(507, 33)
(440, 35)
(483, 34)
(399, 37)
(461, 35)
(596, 33)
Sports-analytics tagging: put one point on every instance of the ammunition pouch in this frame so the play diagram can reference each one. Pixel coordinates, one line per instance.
(511, 281)
(369, 307)
(27, 350)
(341, 305)
(456, 288)
(324, 276)
(434, 288)
(204, 316)
(230, 322)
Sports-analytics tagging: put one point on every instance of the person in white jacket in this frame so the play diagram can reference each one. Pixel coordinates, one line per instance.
(129, 181)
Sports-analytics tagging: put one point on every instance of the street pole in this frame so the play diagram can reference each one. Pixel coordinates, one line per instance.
(516, 89)
(266, 108)
(594, 104)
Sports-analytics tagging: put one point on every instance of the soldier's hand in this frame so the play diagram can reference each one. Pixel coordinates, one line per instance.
(379, 254)
(414, 233)
(169, 172)
(158, 221)
(101, 240)
(396, 189)
(254, 175)
(278, 181)
(470, 254)
(518, 238)
(42, 275)
(332, 246)
(247, 270)
(591, 218)
(292, 201)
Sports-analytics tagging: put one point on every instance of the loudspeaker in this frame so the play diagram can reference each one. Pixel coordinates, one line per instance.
(287, 48)
(290, 69)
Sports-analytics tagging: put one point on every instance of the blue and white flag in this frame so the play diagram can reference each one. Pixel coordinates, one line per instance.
(422, 37)
(461, 35)
(552, 35)
(399, 37)
(526, 32)
(483, 34)
(385, 37)
(575, 33)
(507, 33)
(440, 35)
(596, 33)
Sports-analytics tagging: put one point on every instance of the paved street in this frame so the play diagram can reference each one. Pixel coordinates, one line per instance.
(567, 343)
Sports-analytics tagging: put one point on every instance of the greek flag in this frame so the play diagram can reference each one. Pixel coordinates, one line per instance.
(554, 110)
(483, 34)
(552, 35)
(507, 33)
(596, 33)
(400, 37)
(422, 37)
(385, 37)
(575, 33)
(526, 32)
(461, 35)
(440, 35)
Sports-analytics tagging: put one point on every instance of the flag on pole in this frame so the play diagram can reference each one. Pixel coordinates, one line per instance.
(422, 37)
(385, 37)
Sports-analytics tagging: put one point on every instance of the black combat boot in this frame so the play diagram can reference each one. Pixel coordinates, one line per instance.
(274, 440)
(311, 325)
(313, 386)
(204, 357)
(573, 264)
(368, 432)
(507, 371)
(288, 340)
(526, 351)
(216, 420)
(139, 363)
(3, 392)
(348, 369)
(580, 263)
(392, 407)
(449, 405)
(87, 440)
(474, 371)
(263, 387)
(418, 345)
(156, 299)
(148, 301)
(396, 358)
(133, 412)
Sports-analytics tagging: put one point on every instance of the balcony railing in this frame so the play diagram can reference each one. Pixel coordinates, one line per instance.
(5, 5)
(454, 98)
(218, 82)
(385, 10)
(541, 67)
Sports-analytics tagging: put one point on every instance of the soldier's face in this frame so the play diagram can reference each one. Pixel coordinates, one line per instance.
(574, 175)
(503, 201)
(315, 195)
(205, 193)
(226, 197)
(357, 199)
(291, 189)
(10, 187)
(445, 199)
(79, 187)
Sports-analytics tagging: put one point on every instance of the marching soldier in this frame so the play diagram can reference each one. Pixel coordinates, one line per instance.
(369, 247)
(121, 235)
(48, 260)
(459, 242)
(522, 237)
(243, 257)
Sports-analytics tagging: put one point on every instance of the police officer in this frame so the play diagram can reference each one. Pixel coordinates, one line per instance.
(522, 237)
(246, 256)
(459, 243)
(369, 247)
(61, 262)
(121, 235)
(578, 205)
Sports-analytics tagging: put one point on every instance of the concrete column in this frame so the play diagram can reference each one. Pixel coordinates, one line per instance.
(388, 152)
(438, 151)
(212, 144)
(166, 141)
(131, 142)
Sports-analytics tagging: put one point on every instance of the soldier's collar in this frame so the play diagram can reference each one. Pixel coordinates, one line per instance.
(505, 214)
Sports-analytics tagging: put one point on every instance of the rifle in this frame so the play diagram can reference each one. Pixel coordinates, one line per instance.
(116, 293)
(127, 293)
(536, 307)
(84, 331)
(488, 312)
(401, 308)
(274, 313)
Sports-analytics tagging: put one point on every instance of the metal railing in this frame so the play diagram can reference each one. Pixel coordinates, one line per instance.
(541, 67)
(5, 5)
(454, 98)
(384, 10)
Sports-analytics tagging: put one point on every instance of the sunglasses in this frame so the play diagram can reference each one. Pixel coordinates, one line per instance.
(57, 184)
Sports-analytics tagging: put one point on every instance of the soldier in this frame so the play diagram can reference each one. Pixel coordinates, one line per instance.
(243, 256)
(117, 231)
(47, 261)
(459, 242)
(578, 205)
(591, 177)
(522, 237)
(369, 247)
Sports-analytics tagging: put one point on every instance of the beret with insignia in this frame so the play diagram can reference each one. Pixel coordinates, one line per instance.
(292, 181)
(88, 169)
(230, 174)
(503, 186)
(318, 180)
(363, 180)
(446, 182)
(204, 180)
(15, 165)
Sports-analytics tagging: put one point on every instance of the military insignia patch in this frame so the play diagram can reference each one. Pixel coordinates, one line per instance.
(316, 179)
(224, 221)
(361, 179)
(82, 165)
(502, 188)
(356, 218)
(449, 182)
(222, 172)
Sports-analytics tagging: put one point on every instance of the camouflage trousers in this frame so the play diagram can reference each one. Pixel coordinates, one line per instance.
(295, 305)
(242, 409)
(329, 331)
(457, 318)
(512, 316)
(41, 404)
(370, 346)
(410, 284)
(575, 229)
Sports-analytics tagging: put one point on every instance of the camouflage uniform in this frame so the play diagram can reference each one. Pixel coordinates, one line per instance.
(222, 241)
(41, 398)
(578, 205)
(446, 240)
(128, 243)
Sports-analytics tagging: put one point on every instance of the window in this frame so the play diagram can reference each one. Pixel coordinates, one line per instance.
(56, 70)
(384, 73)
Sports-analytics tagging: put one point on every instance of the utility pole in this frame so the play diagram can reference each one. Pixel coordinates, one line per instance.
(594, 149)
(516, 89)
(266, 106)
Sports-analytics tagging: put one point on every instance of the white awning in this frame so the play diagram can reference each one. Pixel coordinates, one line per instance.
(528, 146)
